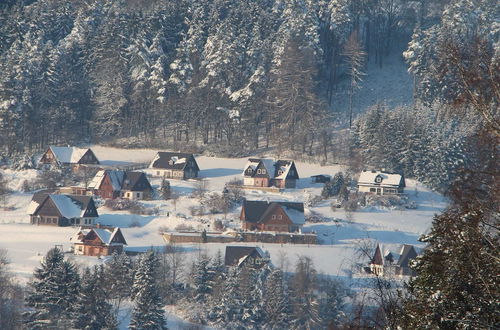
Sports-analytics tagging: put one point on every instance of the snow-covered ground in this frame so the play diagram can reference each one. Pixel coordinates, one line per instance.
(27, 244)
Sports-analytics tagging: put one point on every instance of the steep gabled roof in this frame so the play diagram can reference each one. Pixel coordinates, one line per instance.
(69, 206)
(71, 155)
(391, 179)
(256, 211)
(172, 160)
(377, 257)
(107, 236)
(236, 255)
(272, 166)
(120, 180)
(407, 253)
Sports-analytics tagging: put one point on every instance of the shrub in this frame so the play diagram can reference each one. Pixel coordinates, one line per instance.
(216, 203)
(184, 227)
(132, 206)
(218, 225)
(196, 210)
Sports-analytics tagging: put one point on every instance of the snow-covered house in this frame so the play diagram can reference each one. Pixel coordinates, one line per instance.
(267, 172)
(67, 157)
(239, 256)
(272, 216)
(62, 210)
(383, 264)
(175, 165)
(381, 183)
(98, 241)
(116, 183)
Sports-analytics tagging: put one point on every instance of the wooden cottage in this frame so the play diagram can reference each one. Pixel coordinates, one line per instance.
(71, 157)
(175, 165)
(124, 184)
(266, 172)
(272, 216)
(239, 256)
(381, 183)
(62, 210)
(99, 241)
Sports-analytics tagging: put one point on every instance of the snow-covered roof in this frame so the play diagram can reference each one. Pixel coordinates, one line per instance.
(32, 207)
(67, 206)
(297, 217)
(104, 234)
(387, 179)
(79, 235)
(68, 154)
(277, 169)
(97, 180)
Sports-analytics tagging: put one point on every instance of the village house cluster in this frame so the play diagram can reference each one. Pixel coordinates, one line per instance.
(261, 220)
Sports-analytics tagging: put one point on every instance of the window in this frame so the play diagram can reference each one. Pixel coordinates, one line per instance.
(157, 172)
(80, 248)
(280, 217)
(128, 194)
(259, 171)
(373, 190)
(138, 195)
(280, 172)
(54, 220)
(274, 216)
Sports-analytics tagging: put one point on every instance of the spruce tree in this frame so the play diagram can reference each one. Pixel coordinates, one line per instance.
(92, 311)
(118, 274)
(52, 292)
(148, 313)
(277, 305)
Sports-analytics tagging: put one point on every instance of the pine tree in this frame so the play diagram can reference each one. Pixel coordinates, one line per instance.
(277, 304)
(202, 278)
(165, 189)
(92, 311)
(118, 274)
(52, 292)
(148, 313)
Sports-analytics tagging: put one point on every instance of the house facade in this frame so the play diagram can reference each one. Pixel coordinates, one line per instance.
(124, 184)
(244, 256)
(71, 157)
(381, 183)
(386, 264)
(272, 216)
(62, 210)
(98, 241)
(266, 172)
(175, 165)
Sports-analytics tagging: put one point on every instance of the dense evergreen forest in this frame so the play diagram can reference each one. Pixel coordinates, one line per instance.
(237, 74)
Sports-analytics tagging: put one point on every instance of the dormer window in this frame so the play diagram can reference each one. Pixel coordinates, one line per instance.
(263, 171)
(280, 172)
(171, 162)
(259, 171)
(378, 179)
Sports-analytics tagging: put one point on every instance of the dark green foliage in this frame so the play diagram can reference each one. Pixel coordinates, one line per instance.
(91, 309)
(52, 292)
(148, 310)
(334, 186)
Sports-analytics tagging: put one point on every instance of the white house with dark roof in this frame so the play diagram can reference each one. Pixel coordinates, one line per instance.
(267, 172)
(175, 165)
(67, 157)
(381, 183)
